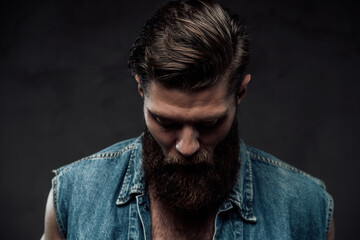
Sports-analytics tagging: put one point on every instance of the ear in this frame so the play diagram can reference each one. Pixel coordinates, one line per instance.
(140, 90)
(243, 88)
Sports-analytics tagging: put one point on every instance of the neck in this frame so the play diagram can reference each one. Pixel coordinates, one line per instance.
(177, 224)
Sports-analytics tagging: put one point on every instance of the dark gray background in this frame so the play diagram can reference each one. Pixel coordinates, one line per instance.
(66, 93)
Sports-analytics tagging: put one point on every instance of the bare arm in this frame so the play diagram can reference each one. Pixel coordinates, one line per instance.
(331, 233)
(51, 228)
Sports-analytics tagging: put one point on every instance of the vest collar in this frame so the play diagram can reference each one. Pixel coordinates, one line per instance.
(241, 196)
(242, 193)
(134, 180)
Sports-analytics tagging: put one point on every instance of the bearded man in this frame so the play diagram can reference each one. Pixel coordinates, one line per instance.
(189, 175)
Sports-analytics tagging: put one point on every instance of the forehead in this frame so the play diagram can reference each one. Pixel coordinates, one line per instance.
(179, 104)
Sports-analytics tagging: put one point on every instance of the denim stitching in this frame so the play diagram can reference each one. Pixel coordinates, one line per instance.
(330, 214)
(249, 192)
(330, 203)
(59, 173)
(126, 191)
(127, 179)
(56, 208)
(96, 156)
(285, 166)
(140, 216)
(223, 208)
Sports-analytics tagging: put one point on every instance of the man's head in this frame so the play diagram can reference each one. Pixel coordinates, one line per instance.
(191, 46)
(189, 63)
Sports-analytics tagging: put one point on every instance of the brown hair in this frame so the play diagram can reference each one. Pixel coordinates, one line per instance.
(191, 46)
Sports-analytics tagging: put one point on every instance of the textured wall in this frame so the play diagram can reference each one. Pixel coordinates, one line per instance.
(66, 92)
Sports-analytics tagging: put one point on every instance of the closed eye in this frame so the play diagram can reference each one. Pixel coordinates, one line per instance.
(202, 125)
(208, 125)
(166, 123)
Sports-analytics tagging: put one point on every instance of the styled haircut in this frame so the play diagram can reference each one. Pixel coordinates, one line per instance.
(191, 46)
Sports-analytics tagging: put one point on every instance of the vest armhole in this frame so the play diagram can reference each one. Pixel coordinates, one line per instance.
(330, 213)
(58, 214)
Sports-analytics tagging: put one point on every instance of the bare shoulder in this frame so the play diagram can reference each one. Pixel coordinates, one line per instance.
(331, 233)
(51, 228)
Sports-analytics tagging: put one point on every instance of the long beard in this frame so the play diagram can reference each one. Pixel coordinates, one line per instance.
(192, 186)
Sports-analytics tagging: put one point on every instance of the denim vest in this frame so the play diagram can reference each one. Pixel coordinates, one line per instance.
(104, 196)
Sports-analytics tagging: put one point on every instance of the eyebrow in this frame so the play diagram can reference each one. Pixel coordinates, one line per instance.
(207, 118)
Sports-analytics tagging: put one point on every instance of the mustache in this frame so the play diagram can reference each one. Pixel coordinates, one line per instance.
(200, 158)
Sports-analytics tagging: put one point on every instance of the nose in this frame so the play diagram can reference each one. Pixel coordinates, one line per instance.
(188, 142)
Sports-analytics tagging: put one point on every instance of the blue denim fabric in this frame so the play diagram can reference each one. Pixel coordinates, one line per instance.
(103, 196)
